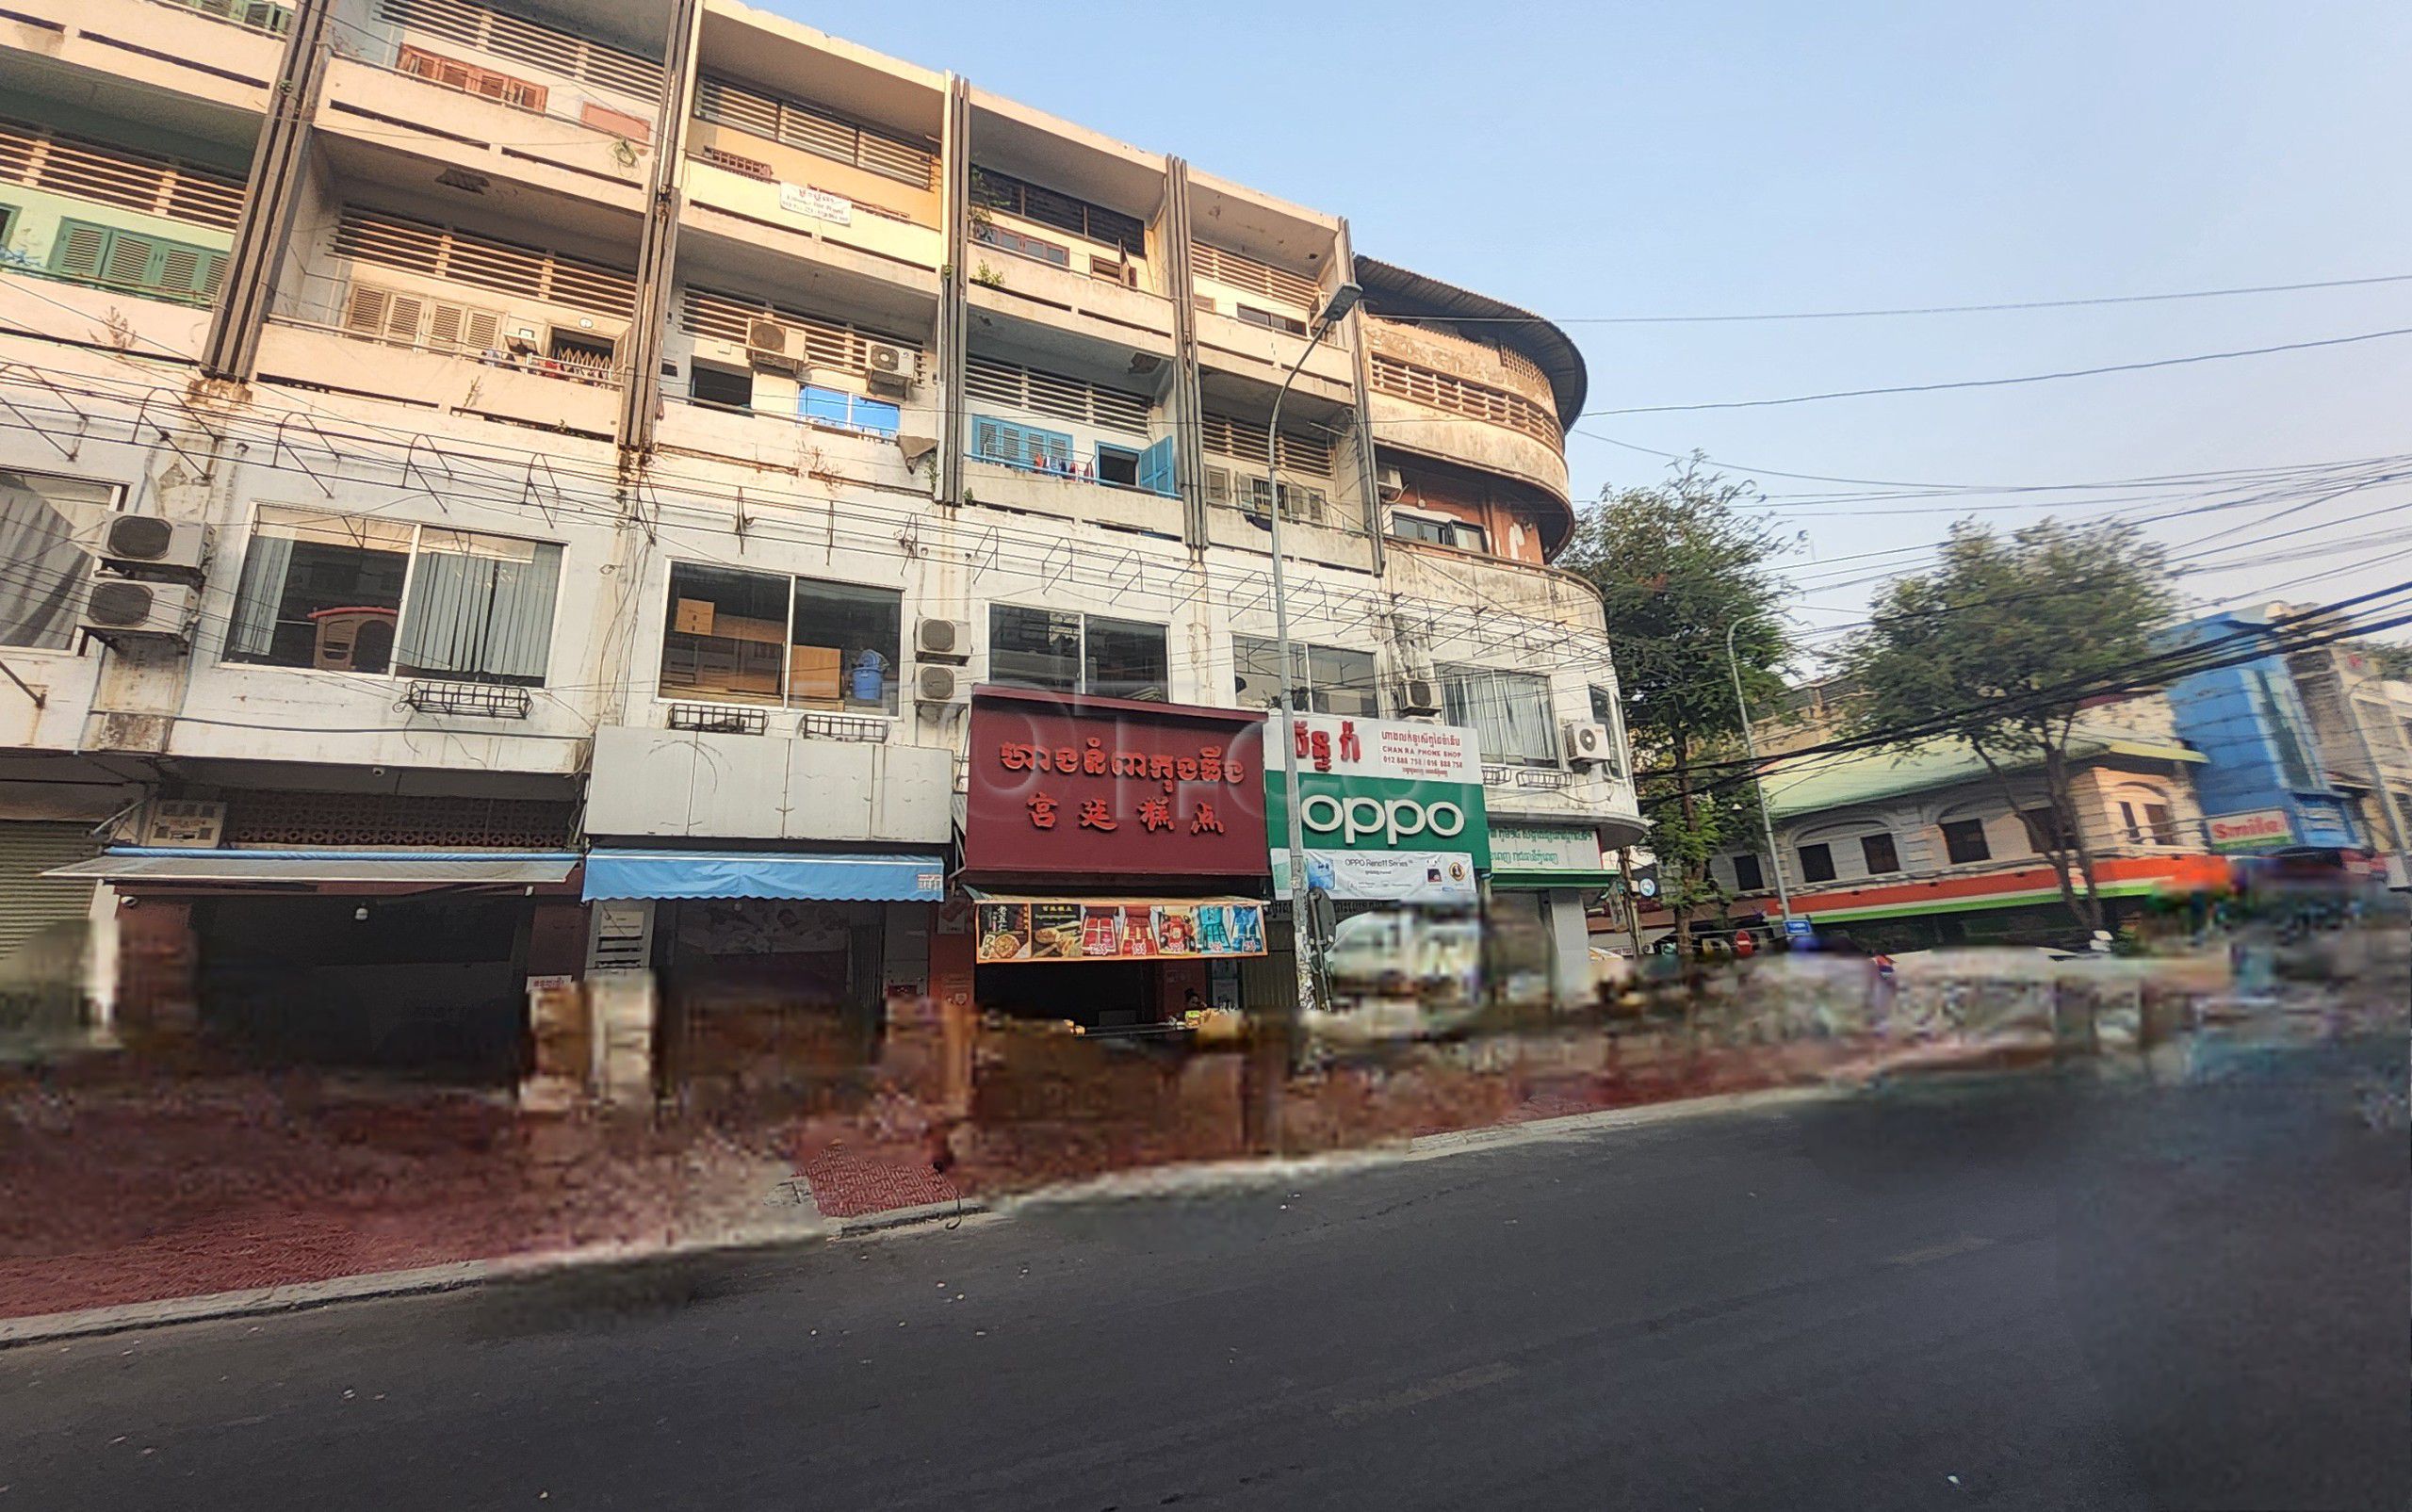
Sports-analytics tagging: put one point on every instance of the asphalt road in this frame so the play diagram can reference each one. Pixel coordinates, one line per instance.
(2008, 1295)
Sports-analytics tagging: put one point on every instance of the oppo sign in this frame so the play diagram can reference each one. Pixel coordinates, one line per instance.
(1392, 819)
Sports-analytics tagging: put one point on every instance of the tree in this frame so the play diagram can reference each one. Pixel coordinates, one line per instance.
(2002, 646)
(1677, 564)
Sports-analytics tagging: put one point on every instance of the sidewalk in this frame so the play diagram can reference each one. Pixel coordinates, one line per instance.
(247, 1194)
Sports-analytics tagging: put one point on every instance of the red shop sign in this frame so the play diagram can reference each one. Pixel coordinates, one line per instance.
(1066, 787)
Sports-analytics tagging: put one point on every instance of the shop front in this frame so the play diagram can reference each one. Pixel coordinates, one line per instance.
(1398, 836)
(1113, 861)
(1545, 874)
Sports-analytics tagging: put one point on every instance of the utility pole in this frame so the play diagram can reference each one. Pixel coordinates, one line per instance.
(1751, 745)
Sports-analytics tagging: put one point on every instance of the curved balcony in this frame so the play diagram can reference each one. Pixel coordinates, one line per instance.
(1463, 402)
(1416, 570)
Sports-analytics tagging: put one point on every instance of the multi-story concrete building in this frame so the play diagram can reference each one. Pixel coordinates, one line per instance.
(587, 437)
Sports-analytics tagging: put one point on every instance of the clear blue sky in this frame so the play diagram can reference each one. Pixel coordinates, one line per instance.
(1697, 157)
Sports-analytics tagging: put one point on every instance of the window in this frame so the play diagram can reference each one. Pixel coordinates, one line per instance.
(1324, 680)
(2159, 827)
(43, 586)
(847, 412)
(728, 387)
(769, 638)
(348, 594)
(1076, 653)
(1509, 711)
(1117, 464)
(1817, 863)
(989, 233)
(1747, 875)
(2045, 831)
(1001, 192)
(453, 73)
(1439, 530)
(1021, 445)
(573, 355)
(89, 254)
(1270, 320)
(1878, 851)
(1963, 841)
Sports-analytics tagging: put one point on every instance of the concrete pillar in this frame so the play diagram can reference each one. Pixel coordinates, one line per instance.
(1571, 947)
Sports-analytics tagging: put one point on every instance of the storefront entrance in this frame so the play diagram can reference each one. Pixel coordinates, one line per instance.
(428, 987)
(762, 995)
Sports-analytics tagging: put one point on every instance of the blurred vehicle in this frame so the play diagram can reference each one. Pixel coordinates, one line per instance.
(1398, 973)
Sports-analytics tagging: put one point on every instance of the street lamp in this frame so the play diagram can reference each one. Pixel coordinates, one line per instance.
(1749, 744)
(1344, 300)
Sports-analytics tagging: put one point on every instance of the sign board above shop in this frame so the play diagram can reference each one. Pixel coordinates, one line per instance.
(2262, 829)
(1117, 929)
(1392, 810)
(1104, 790)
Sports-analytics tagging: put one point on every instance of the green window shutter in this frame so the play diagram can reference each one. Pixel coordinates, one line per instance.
(79, 249)
(131, 262)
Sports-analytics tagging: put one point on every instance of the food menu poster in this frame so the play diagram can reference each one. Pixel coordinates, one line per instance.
(1100, 929)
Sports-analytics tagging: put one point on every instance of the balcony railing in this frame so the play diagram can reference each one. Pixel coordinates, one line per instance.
(264, 16)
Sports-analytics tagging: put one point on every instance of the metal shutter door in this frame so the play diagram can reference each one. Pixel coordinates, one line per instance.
(29, 902)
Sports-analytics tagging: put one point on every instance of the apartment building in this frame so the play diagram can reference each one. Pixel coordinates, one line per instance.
(495, 494)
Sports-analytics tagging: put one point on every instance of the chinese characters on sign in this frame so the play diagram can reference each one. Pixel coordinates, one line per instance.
(1075, 929)
(1061, 786)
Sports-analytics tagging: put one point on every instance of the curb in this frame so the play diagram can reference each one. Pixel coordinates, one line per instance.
(919, 1214)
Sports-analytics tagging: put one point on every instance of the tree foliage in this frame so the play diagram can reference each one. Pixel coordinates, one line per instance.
(2002, 646)
(1677, 563)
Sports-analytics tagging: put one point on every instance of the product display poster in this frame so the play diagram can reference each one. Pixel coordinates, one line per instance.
(1075, 929)
(1387, 876)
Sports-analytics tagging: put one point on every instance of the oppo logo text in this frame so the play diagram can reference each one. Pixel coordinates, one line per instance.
(1391, 820)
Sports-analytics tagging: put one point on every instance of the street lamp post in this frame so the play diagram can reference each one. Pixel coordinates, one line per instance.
(1344, 300)
(1751, 745)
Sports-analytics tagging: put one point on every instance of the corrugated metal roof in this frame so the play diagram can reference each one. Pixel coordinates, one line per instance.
(1551, 349)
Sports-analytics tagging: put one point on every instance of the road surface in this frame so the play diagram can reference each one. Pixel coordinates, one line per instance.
(2001, 1293)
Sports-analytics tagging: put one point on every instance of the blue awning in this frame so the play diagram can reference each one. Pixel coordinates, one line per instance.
(764, 874)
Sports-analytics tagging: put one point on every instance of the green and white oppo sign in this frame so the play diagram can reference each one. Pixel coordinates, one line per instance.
(1391, 810)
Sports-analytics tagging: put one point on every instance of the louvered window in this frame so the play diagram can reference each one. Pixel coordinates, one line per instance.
(1021, 445)
(410, 320)
(1245, 441)
(781, 118)
(257, 15)
(524, 42)
(112, 259)
(1442, 391)
(83, 168)
(441, 251)
(1001, 192)
(828, 346)
(1241, 271)
(469, 78)
(1051, 393)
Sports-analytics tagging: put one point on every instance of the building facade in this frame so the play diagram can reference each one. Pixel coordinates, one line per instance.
(1908, 851)
(496, 495)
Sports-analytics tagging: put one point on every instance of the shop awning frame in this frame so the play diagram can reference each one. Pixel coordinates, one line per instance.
(133, 865)
(827, 876)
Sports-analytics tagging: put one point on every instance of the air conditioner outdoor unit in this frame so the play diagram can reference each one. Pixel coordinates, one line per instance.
(940, 685)
(184, 821)
(1587, 745)
(145, 542)
(889, 368)
(946, 639)
(1390, 482)
(1418, 695)
(767, 345)
(128, 609)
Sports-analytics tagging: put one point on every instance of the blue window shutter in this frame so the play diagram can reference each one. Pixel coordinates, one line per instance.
(1155, 468)
(825, 404)
(877, 415)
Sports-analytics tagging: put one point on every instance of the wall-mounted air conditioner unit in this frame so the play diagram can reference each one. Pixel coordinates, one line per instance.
(1587, 744)
(942, 639)
(1418, 695)
(1391, 483)
(126, 609)
(940, 685)
(771, 346)
(145, 543)
(888, 369)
